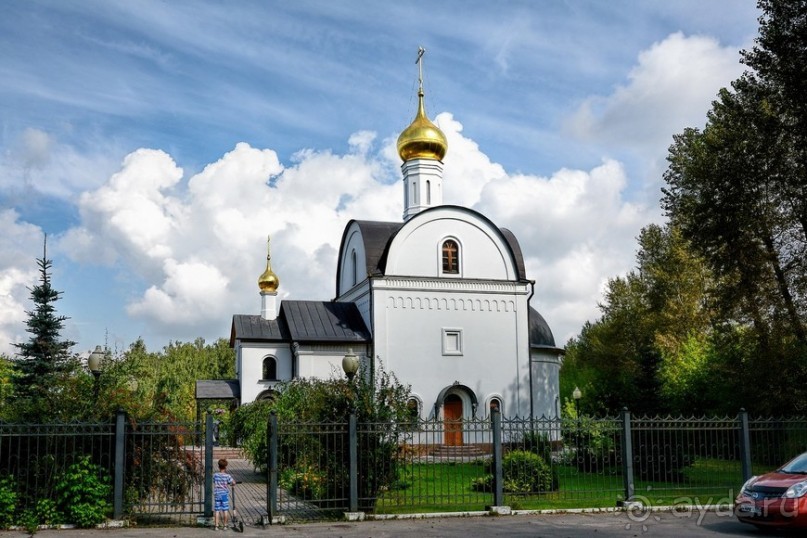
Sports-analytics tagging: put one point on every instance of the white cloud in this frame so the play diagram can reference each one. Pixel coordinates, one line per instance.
(198, 244)
(38, 162)
(20, 245)
(671, 87)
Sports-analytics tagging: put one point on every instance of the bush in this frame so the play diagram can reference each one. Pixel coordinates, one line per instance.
(82, 493)
(314, 459)
(8, 500)
(307, 482)
(47, 513)
(522, 472)
(591, 444)
(248, 427)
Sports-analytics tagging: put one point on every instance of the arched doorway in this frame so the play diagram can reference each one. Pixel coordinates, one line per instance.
(452, 418)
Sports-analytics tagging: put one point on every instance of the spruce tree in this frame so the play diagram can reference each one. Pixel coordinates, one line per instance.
(45, 356)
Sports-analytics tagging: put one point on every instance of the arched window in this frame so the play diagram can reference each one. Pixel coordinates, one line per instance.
(269, 369)
(353, 268)
(428, 192)
(451, 257)
(495, 405)
(413, 409)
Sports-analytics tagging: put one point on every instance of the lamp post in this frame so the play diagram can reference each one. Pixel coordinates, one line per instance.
(350, 364)
(95, 364)
(576, 395)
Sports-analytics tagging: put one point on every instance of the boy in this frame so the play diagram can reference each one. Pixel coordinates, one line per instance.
(221, 494)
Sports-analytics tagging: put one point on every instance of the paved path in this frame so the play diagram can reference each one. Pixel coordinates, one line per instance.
(605, 525)
(250, 495)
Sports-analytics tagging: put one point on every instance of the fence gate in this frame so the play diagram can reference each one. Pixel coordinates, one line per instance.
(165, 471)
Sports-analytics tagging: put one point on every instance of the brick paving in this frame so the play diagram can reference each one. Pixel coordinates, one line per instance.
(250, 494)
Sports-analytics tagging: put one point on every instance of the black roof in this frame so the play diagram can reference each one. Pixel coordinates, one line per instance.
(540, 333)
(217, 389)
(377, 237)
(304, 321)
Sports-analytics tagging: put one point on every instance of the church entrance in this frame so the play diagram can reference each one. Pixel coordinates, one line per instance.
(452, 416)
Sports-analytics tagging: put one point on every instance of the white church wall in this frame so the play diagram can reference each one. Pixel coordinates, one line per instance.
(353, 266)
(325, 361)
(410, 339)
(416, 249)
(546, 376)
(250, 361)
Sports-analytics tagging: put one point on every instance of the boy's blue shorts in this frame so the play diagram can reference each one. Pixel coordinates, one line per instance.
(222, 501)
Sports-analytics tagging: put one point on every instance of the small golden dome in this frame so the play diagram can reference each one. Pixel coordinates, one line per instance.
(422, 139)
(268, 281)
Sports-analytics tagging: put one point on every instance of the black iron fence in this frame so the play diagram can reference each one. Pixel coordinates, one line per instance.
(322, 470)
(162, 472)
(146, 472)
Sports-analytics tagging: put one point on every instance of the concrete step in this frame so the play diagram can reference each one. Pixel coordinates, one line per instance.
(462, 451)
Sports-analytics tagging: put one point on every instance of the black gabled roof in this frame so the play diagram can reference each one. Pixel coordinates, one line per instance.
(303, 321)
(253, 328)
(319, 321)
(217, 389)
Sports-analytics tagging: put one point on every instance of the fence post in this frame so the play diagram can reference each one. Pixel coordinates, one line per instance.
(745, 444)
(271, 482)
(498, 478)
(208, 465)
(627, 456)
(120, 462)
(354, 462)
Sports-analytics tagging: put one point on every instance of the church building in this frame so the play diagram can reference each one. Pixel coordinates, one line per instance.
(441, 298)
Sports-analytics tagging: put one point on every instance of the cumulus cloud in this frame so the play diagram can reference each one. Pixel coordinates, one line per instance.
(20, 245)
(198, 242)
(671, 87)
(37, 162)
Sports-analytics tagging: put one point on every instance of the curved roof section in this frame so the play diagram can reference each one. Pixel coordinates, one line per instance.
(377, 236)
(540, 333)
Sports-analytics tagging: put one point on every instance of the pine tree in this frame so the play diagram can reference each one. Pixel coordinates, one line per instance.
(45, 355)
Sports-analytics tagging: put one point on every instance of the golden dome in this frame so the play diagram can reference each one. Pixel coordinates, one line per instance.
(422, 139)
(268, 281)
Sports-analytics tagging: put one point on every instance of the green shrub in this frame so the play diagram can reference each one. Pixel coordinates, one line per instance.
(47, 513)
(526, 472)
(306, 481)
(522, 472)
(8, 500)
(82, 493)
(28, 521)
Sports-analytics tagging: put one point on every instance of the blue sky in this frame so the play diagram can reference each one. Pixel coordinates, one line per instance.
(158, 143)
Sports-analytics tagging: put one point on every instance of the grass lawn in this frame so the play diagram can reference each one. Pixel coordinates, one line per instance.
(446, 487)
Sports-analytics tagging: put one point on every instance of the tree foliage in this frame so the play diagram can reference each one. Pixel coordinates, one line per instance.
(738, 192)
(653, 320)
(162, 385)
(43, 365)
(315, 466)
(715, 314)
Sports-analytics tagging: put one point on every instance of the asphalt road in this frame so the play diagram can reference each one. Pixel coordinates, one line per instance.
(602, 525)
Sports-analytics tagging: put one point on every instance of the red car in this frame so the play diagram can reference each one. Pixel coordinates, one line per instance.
(776, 499)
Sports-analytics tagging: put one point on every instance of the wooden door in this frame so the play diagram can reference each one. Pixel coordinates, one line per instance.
(452, 415)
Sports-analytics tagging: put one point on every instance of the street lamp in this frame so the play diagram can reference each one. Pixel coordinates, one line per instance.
(350, 364)
(95, 364)
(576, 395)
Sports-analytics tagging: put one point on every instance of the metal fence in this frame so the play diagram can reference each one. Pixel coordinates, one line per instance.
(322, 470)
(162, 472)
(152, 472)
